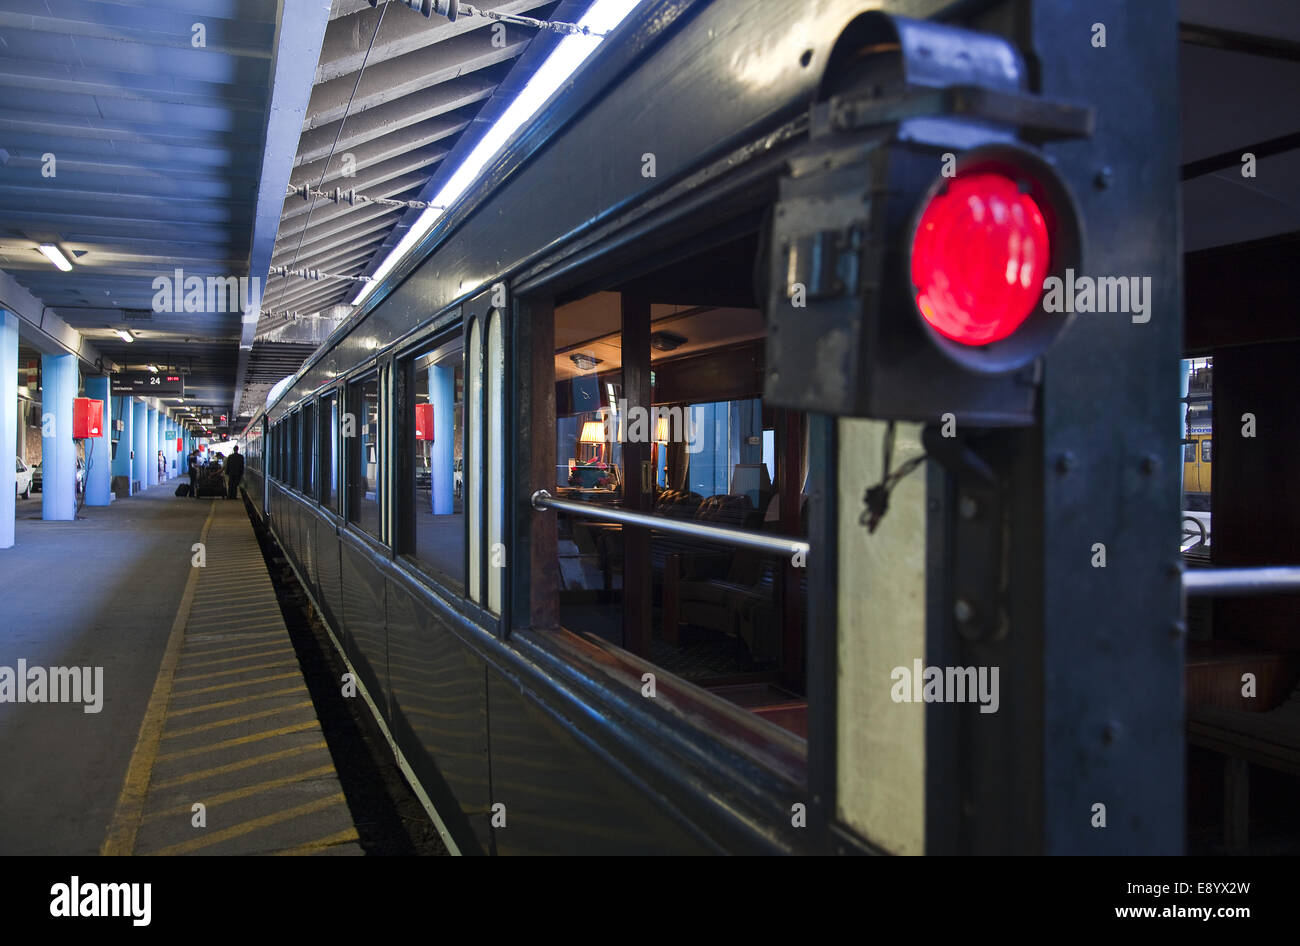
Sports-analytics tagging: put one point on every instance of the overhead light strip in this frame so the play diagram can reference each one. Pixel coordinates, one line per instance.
(55, 256)
(562, 63)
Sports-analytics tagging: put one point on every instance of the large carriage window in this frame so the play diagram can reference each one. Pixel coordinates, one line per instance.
(659, 410)
(328, 426)
(432, 426)
(364, 456)
(295, 450)
(309, 449)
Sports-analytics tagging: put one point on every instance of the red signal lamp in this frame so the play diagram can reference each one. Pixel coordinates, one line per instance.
(982, 244)
(979, 258)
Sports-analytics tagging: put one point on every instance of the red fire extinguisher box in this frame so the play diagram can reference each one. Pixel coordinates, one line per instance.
(424, 422)
(87, 418)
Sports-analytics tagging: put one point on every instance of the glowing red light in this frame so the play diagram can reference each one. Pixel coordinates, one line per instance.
(979, 258)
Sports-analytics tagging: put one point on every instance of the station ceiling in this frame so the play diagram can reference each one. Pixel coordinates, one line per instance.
(139, 151)
(390, 101)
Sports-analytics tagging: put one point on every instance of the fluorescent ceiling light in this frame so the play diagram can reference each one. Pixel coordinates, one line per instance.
(563, 61)
(55, 256)
(124, 334)
(153, 368)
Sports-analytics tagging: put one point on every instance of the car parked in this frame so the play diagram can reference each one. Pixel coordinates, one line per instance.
(78, 486)
(23, 486)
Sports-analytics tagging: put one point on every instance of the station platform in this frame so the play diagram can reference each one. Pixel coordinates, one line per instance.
(205, 739)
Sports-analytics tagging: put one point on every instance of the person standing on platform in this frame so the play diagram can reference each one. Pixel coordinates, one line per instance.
(162, 467)
(234, 472)
(194, 473)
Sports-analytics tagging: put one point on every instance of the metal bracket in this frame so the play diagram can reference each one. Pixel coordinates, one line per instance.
(825, 263)
(1035, 117)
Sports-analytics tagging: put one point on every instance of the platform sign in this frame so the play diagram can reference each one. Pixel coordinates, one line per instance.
(148, 384)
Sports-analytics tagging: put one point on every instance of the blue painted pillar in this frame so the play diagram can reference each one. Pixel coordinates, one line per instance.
(151, 467)
(441, 394)
(122, 462)
(8, 422)
(140, 443)
(58, 452)
(99, 450)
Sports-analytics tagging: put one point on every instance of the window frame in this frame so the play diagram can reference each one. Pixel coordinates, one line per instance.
(355, 400)
(327, 434)
(308, 451)
(445, 345)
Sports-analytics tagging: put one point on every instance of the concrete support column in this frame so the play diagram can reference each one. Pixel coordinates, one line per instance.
(8, 422)
(99, 450)
(442, 477)
(140, 443)
(122, 462)
(58, 451)
(151, 467)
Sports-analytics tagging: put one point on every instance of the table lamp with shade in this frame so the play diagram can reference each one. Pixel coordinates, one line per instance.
(593, 432)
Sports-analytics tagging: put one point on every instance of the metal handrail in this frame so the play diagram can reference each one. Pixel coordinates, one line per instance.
(1231, 582)
(1205, 536)
(760, 542)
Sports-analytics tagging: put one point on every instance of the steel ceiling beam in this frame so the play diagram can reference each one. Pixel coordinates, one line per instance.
(299, 35)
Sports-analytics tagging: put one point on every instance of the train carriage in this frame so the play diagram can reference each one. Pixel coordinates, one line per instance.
(654, 344)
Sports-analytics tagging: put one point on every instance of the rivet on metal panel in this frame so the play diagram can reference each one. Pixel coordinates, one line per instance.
(1065, 462)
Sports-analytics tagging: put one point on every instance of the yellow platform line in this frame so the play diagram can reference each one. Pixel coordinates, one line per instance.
(245, 792)
(125, 823)
(247, 717)
(239, 683)
(248, 827)
(249, 581)
(228, 660)
(205, 648)
(345, 836)
(190, 678)
(239, 741)
(287, 691)
(236, 766)
(234, 627)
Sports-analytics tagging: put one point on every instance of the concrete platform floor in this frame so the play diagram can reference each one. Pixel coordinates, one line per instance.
(230, 723)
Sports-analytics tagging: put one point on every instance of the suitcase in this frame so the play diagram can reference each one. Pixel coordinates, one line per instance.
(183, 489)
(212, 484)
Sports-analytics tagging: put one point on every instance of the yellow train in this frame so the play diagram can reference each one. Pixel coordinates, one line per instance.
(1197, 461)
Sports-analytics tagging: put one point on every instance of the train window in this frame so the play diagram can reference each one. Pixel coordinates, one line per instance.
(364, 455)
(327, 436)
(702, 447)
(1197, 426)
(495, 474)
(473, 472)
(309, 450)
(431, 425)
(295, 450)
